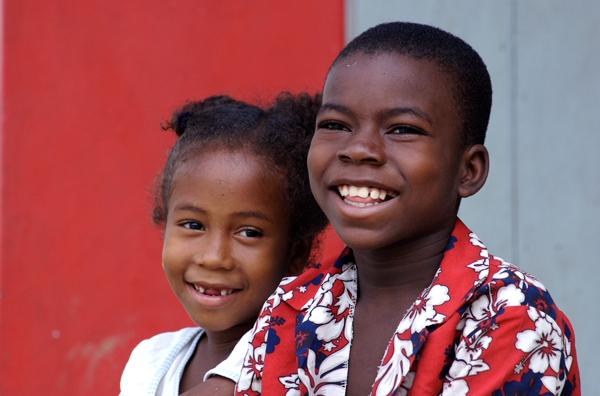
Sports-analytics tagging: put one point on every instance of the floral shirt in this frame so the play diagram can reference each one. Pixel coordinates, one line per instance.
(483, 327)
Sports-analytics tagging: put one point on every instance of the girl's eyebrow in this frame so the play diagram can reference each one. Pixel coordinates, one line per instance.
(245, 214)
(253, 214)
(189, 207)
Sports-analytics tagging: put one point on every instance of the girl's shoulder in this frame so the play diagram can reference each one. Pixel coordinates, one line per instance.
(165, 342)
(154, 357)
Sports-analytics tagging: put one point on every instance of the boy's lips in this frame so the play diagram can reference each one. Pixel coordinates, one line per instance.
(363, 196)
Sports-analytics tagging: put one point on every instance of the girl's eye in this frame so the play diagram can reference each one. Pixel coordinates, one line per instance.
(193, 225)
(250, 233)
(336, 126)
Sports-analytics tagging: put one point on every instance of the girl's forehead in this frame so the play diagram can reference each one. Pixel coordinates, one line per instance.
(225, 172)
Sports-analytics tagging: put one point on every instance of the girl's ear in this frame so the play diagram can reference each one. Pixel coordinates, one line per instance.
(475, 166)
(299, 259)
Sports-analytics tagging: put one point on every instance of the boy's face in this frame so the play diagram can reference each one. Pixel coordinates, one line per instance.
(389, 129)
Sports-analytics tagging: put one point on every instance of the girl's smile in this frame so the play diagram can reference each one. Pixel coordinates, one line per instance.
(227, 238)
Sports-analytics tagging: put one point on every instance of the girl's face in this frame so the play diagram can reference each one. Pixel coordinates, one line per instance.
(227, 238)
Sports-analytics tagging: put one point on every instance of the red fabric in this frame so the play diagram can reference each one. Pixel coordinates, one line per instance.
(482, 327)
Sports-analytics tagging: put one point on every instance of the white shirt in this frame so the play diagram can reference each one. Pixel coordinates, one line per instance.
(156, 365)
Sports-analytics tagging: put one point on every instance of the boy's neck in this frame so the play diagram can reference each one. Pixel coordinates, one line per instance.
(405, 267)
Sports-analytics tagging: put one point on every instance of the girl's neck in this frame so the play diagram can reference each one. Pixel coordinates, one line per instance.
(405, 267)
(219, 342)
(212, 349)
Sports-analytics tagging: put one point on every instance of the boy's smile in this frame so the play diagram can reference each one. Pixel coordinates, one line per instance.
(385, 162)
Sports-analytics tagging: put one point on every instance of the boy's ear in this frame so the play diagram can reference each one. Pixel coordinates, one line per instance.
(474, 171)
(300, 254)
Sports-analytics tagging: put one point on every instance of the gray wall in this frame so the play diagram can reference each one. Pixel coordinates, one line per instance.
(540, 208)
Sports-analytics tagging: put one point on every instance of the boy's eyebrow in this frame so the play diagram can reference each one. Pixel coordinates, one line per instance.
(335, 107)
(383, 114)
(406, 110)
(246, 214)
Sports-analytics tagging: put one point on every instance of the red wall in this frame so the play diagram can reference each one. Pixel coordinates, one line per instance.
(85, 87)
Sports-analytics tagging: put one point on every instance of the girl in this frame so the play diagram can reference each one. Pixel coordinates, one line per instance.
(238, 215)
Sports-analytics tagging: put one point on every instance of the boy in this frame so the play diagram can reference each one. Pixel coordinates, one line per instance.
(399, 142)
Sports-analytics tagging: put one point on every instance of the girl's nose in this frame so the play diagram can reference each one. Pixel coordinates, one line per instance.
(363, 147)
(215, 252)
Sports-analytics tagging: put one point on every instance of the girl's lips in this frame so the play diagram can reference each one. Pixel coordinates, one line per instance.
(212, 291)
(212, 297)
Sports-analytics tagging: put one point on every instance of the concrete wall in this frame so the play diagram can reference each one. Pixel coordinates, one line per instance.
(540, 208)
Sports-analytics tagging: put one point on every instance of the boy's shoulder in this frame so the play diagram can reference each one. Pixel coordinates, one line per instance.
(297, 291)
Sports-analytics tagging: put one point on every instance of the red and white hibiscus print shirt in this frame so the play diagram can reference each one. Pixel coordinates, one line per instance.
(483, 327)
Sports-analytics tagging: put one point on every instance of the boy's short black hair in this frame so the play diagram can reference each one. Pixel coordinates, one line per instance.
(472, 90)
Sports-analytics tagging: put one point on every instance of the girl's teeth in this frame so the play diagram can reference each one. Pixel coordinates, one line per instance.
(344, 191)
(374, 194)
(382, 195)
(353, 191)
(224, 292)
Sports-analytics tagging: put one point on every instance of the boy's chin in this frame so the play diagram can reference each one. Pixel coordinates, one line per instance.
(361, 239)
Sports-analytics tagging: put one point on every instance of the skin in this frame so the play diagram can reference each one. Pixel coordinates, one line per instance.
(227, 229)
(389, 122)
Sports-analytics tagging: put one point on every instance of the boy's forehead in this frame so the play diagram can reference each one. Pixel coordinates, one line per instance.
(388, 80)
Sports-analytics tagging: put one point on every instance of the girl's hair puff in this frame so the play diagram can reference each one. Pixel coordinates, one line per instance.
(279, 135)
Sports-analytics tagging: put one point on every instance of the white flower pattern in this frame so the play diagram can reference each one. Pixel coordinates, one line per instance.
(493, 289)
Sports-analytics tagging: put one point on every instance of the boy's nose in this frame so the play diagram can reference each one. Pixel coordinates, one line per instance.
(363, 147)
(214, 253)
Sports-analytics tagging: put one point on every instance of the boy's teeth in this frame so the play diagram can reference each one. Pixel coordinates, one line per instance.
(363, 192)
(200, 289)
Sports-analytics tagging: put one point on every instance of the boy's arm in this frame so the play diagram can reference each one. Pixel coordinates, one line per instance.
(522, 350)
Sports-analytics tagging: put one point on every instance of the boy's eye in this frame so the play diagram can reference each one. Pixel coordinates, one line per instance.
(405, 130)
(336, 126)
(250, 233)
(192, 225)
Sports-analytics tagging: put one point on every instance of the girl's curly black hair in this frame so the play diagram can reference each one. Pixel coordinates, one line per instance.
(279, 135)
